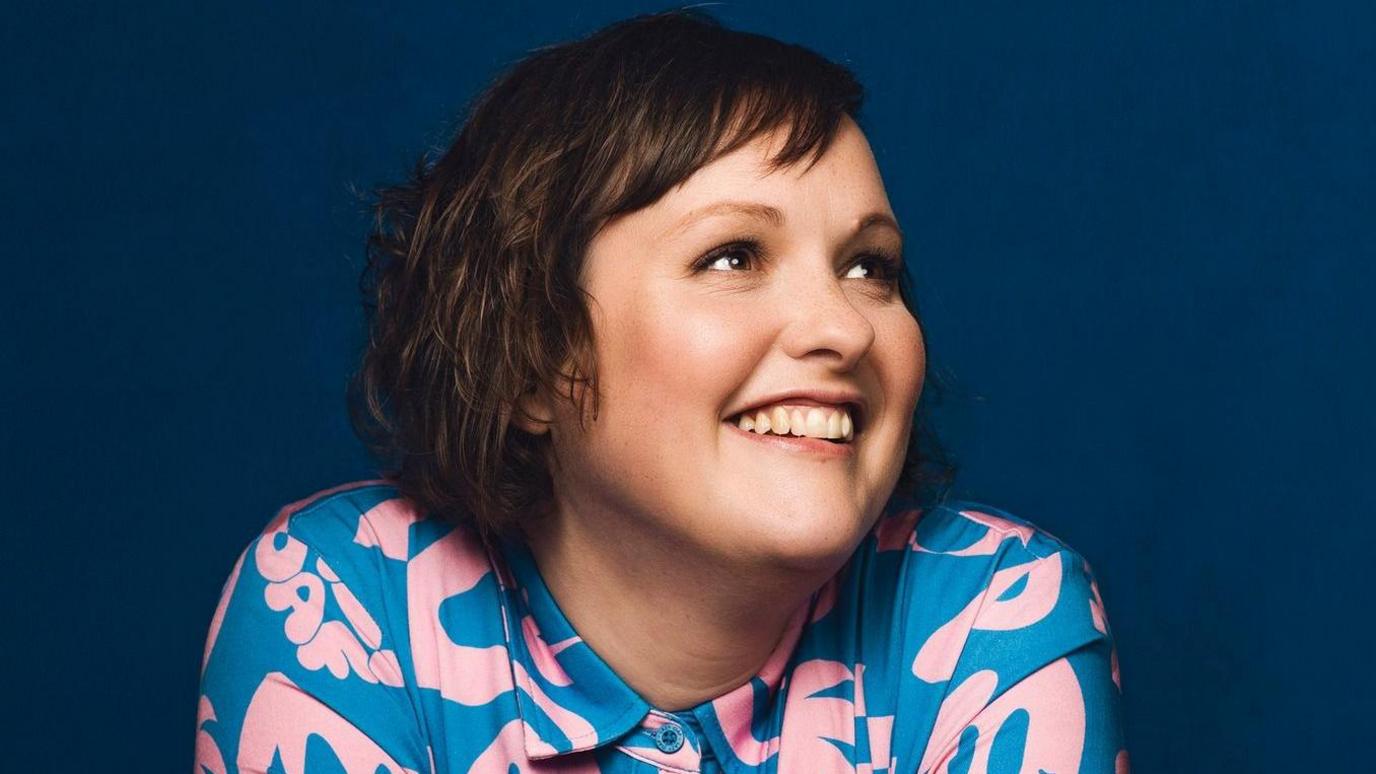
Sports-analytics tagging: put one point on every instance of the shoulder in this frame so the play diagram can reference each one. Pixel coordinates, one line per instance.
(311, 637)
(964, 528)
(979, 587)
(360, 518)
(330, 518)
(349, 542)
(997, 616)
(347, 577)
(383, 553)
(366, 539)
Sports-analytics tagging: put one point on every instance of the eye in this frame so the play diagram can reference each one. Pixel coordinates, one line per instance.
(885, 267)
(726, 254)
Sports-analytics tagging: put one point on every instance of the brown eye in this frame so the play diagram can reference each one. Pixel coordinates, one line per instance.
(738, 252)
(886, 268)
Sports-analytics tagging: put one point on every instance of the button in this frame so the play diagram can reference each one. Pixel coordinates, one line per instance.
(669, 738)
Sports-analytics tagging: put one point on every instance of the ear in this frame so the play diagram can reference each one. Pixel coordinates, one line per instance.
(533, 413)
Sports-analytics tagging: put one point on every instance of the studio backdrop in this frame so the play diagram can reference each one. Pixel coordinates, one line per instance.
(1141, 240)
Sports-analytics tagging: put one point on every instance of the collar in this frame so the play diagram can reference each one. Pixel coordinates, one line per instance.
(566, 693)
(743, 726)
(571, 701)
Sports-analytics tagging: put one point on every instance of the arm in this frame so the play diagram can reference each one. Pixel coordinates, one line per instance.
(296, 656)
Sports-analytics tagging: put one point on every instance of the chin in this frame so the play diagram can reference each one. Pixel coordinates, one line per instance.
(806, 537)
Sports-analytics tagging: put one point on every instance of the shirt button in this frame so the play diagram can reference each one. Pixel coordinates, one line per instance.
(669, 738)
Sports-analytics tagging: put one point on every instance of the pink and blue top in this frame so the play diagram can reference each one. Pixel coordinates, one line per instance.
(356, 634)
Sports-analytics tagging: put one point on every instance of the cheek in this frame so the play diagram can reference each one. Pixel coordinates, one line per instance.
(678, 359)
(902, 357)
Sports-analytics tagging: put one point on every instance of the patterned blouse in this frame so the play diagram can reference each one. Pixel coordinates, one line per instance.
(358, 635)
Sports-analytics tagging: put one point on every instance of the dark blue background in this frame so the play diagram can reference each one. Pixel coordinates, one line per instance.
(1143, 239)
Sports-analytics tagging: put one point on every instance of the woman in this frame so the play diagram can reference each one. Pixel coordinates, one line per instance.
(645, 374)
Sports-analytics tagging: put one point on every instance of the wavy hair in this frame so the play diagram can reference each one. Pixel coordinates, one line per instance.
(471, 286)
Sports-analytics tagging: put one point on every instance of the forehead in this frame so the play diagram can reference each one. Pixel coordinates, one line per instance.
(843, 184)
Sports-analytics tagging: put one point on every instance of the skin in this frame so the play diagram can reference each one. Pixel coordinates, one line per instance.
(677, 548)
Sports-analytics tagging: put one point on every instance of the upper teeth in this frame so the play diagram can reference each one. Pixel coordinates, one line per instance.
(810, 421)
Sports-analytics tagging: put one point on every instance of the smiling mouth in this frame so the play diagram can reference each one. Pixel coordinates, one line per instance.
(823, 447)
(831, 424)
(825, 429)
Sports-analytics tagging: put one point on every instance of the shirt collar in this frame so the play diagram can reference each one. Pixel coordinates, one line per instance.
(743, 725)
(572, 701)
(566, 693)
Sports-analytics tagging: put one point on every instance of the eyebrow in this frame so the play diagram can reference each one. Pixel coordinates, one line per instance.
(772, 215)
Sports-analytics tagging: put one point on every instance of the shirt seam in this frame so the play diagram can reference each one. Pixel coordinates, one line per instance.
(311, 508)
(1004, 532)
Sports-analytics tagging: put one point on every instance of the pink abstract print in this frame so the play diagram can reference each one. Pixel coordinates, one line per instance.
(341, 646)
(449, 569)
(358, 634)
(1049, 702)
(281, 721)
(1041, 586)
(820, 723)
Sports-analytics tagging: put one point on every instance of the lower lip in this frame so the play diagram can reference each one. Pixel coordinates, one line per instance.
(798, 443)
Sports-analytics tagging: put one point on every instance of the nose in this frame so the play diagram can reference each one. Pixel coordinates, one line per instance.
(824, 321)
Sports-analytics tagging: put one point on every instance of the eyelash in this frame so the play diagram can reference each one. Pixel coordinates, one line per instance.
(890, 263)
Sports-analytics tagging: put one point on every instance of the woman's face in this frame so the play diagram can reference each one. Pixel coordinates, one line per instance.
(683, 347)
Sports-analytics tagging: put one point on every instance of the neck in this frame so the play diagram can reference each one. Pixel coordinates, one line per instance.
(678, 629)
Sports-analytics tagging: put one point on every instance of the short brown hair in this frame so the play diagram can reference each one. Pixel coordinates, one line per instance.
(471, 287)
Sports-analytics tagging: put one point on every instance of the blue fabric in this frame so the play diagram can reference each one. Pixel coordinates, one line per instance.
(358, 634)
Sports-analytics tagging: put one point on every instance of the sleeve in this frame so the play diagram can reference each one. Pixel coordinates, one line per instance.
(298, 675)
(1036, 687)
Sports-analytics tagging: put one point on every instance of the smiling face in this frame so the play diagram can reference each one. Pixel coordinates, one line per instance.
(692, 324)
